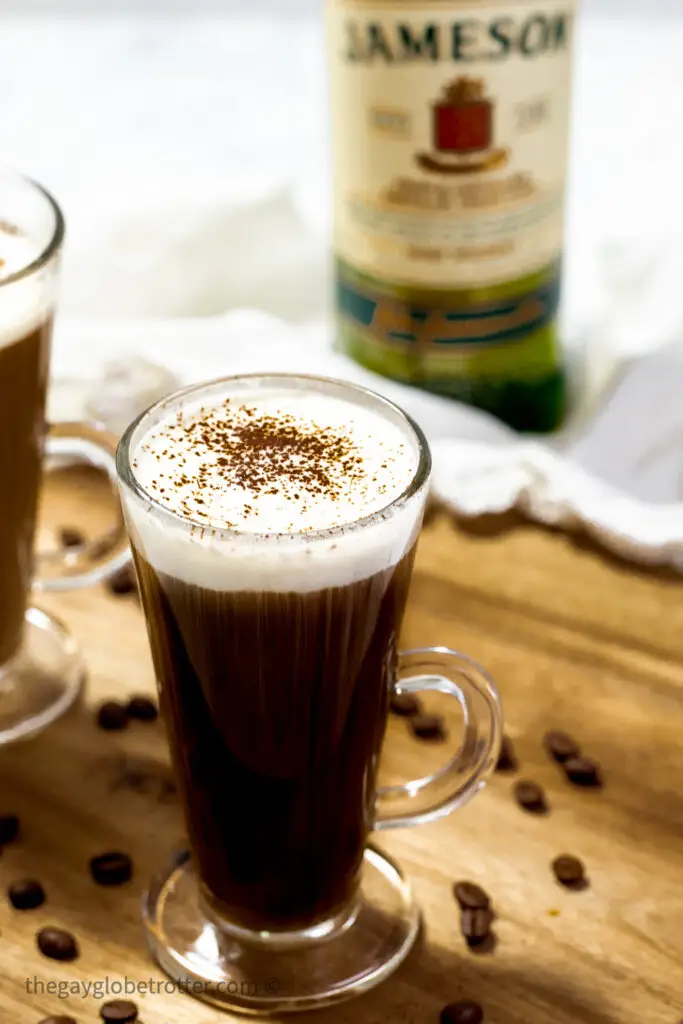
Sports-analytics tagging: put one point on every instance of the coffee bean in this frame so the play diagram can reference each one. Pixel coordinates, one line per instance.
(583, 772)
(119, 1011)
(428, 727)
(57, 1020)
(569, 871)
(465, 1012)
(168, 792)
(143, 709)
(405, 705)
(531, 797)
(26, 894)
(181, 857)
(112, 716)
(56, 944)
(113, 868)
(123, 582)
(561, 746)
(471, 896)
(70, 537)
(9, 829)
(507, 762)
(476, 925)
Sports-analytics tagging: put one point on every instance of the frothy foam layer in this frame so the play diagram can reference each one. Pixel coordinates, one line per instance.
(17, 250)
(24, 304)
(275, 461)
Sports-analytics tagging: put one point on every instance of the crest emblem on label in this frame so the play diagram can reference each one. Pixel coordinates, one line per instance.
(463, 127)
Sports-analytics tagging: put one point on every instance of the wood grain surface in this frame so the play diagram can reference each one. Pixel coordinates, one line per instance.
(574, 639)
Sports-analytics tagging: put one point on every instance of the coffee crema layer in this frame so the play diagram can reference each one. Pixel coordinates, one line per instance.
(255, 474)
(25, 305)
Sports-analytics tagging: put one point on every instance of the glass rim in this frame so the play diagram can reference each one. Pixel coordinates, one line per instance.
(55, 243)
(419, 478)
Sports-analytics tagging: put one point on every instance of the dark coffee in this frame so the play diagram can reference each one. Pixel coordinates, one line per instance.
(277, 706)
(23, 383)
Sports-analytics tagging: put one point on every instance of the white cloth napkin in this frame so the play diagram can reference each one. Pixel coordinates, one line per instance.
(479, 465)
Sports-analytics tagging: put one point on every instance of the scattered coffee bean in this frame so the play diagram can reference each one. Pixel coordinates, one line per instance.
(112, 716)
(464, 1012)
(113, 868)
(143, 709)
(471, 896)
(26, 894)
(507, 762)
(181, 857)
(168, 792)
(57, 1020)
(119, 1011)
(9, 829)
(569, 871)
(561, 746)
(583, 772)
(405, 705)
(56, 944)
(70, 537)
(531, 797)
(123, 582)
(476, 925)
(428, 727)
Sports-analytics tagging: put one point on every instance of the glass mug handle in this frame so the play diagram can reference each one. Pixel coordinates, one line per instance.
(103, 557)
(440, 670)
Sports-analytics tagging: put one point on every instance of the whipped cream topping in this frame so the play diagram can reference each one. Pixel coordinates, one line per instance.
(27, 303)
(275, 463)
(255, 471)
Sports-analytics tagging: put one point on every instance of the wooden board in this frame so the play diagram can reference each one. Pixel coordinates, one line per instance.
(573, 638)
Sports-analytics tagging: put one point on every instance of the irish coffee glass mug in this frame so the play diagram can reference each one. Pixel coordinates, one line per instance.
(41, 672)
(276, 692)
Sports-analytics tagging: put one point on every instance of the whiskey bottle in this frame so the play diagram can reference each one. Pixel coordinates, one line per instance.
(450, 127)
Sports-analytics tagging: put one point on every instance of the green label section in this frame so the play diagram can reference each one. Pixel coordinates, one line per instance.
(472, 327)
(498, 352)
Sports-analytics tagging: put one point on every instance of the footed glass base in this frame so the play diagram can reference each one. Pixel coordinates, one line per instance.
(42, 682)
(250, 974)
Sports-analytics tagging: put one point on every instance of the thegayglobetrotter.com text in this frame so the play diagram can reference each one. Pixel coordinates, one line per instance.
(105, 988)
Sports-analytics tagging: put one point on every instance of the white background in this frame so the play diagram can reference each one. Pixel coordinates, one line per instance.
(187, 143)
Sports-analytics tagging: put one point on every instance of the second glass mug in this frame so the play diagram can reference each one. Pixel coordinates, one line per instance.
(41, 671)
(282, 904)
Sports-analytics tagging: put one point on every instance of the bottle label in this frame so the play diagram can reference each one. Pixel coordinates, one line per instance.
(470, 329)
(450, 120)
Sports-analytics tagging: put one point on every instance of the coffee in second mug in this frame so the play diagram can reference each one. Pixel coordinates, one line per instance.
(41, 670)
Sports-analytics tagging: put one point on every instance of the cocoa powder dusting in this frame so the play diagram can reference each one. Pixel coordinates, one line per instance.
(260, 453)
